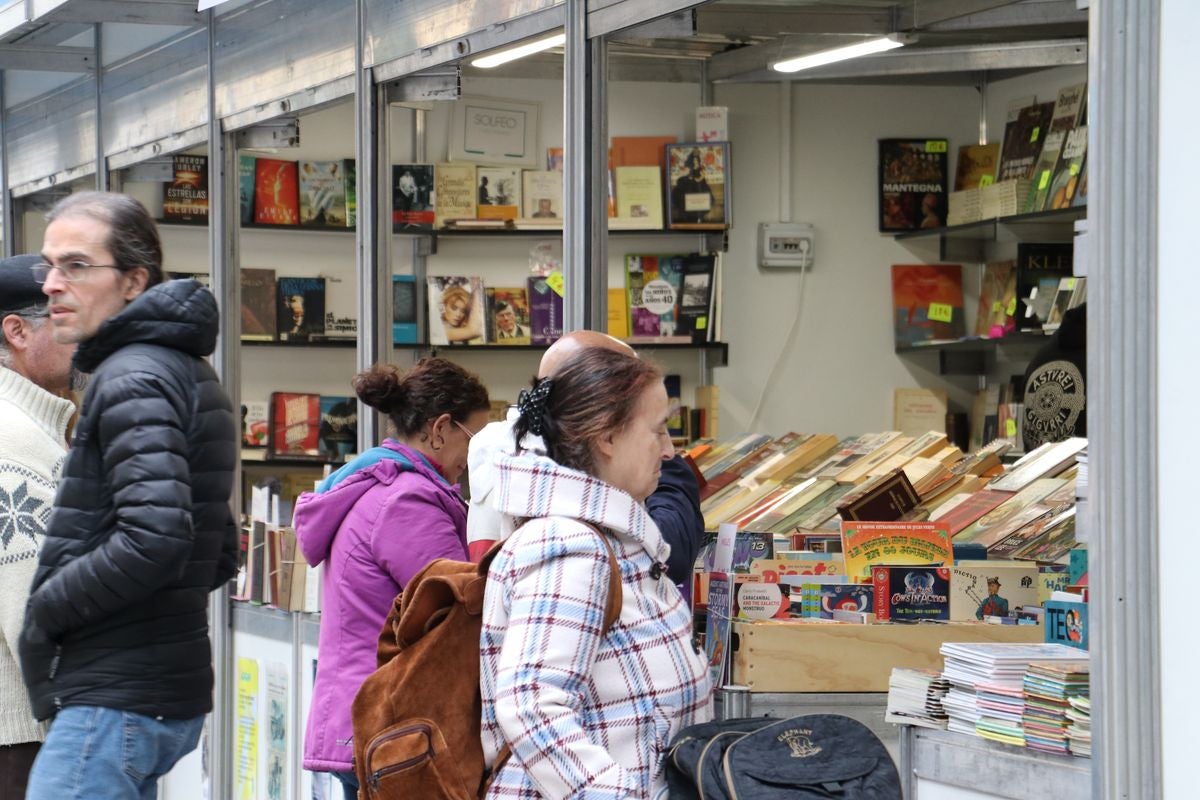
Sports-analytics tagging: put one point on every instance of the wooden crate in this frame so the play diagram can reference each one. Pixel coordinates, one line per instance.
(798, 657)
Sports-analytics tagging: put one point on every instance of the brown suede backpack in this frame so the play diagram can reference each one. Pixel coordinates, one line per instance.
(417, 717)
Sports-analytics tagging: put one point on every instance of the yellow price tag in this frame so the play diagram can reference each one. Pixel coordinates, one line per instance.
(1010, 428)
(1044, 180)
(1012, 307)
(555, 281)
(1071, 284)
(996, 306)
(941, 312)
(935, 146)
(1074, 170)
(986, 180)
(1033, 137)
(701, 323)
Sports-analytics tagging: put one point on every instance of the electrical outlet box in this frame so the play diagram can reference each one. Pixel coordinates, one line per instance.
(786, 245)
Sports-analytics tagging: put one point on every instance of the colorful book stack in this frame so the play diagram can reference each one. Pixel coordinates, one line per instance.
(1001, 706)
(1079, 732)
(1049, 688)
(915, 697)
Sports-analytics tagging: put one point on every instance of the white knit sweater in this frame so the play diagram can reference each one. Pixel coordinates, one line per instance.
(33, 426)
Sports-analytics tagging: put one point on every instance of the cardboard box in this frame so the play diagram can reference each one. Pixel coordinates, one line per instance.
(771, 656)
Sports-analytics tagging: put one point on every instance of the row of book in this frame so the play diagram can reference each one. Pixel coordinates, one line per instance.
(299, 425)
(271, 570)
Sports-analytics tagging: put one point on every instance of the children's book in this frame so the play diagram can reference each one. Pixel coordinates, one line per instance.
(911, 593)
(981, 589)
(1066, 623)
(865, 544)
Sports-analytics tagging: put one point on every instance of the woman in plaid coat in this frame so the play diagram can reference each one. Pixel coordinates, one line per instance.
(587, 712)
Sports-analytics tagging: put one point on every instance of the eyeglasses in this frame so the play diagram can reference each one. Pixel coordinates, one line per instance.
(464, 429)
(72, 271)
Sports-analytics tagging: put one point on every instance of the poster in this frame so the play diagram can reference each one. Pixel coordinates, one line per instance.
(245, 760)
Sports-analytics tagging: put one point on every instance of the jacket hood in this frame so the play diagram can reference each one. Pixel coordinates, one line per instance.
(179, 314)
(319, 514)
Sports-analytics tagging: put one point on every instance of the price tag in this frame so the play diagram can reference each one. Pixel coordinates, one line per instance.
(1033, 136)
(996, 306)
(986, 180)
(555, 281)
(1044, 180)
(1012, 307)
(941, 312)
(701, 323)
(1074, 170)
(1010, 428)
(935, 146)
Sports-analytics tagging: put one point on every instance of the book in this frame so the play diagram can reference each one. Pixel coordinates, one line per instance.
(1063, 119)
(554, 159)
(508, 315)
(966, 511)
(404, 309)
(1040, 266)
(341, 308)
(886, 499)
(185, 198)
(618, 313)
(1068, 173)
(865, 544)
(712, 124)
(1044, 462)
(1080, 197)
(640, 151)
(276, 192)
(1066, 622)
(258, 305)
(996, 316)
(977, 164)
(542, 196)
(256, 421)
(1023, 136)
(820, 599)
(639, 198)
(916, 411)
(914, 184)
(697, 196)
(295, 425)
(498, 192)
(413, 197)
(696, 297)
(454, 193)
(980, 589)
(675, 424)
(653, 283)
(927, 303)
(246, 188)
(300, 308)
(456, 310)
(545, 311)
(323, 194)
(911, 593)
(338, 433)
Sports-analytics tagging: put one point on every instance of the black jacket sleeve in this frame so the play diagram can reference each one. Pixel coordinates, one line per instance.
(675, 509)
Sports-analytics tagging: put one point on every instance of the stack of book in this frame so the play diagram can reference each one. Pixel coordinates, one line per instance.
(1079, 732)
(1001, 706)
(1048, 689)
(915, 698)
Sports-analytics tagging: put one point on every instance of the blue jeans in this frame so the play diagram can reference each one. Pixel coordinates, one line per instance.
(103, 753)
(349, 781)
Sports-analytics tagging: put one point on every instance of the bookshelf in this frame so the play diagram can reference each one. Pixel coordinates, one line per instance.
(716, 352)
(974, 356)
(967, 242)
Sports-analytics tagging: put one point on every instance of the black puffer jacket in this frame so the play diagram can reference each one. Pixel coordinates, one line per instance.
(141, 529)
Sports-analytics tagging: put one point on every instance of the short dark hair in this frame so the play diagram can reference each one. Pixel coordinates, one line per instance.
(593, 393)
(132, 235)
(433, 387)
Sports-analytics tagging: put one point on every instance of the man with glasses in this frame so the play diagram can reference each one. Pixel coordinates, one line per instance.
(35, 376)
(115, 646)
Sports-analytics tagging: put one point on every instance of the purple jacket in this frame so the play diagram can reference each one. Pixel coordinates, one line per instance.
(374, 524)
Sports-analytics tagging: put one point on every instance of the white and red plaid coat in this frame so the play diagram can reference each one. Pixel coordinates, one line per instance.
(587, 714)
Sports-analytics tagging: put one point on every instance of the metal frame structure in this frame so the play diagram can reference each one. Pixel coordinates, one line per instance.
(217, 73)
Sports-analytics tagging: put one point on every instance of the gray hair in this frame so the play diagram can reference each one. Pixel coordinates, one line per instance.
(37, 315)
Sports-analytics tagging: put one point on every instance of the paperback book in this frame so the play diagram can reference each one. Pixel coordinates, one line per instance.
(911, 593)
(927, 303)
(866, 544)
(300, 308)
(341, 308)
(454, 193)
(697, 195)
(1023, 136)
(323, 194)
(412, 197)
(543, 196)
(258, 305)
(508, 315)
(185, 198)
(639, 198)
(545, 308)
(499, 192)
(256, 423)
(914, 184)
(456, 310)
(276, 192)
(295, 425)
(654, 283)
(246, 188)
(696, 297)
(982, 589)
(338, 434)
(404, 309)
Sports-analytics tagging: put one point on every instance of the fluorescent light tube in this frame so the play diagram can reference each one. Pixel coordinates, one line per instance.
(824, 57)
(520, 51)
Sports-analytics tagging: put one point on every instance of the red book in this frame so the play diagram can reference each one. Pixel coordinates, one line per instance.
(968, 511)
(276, 192)
(295, 425)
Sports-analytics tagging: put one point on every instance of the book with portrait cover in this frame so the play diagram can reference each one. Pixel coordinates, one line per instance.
(543, 196)
(413, 197)
(338, 433)
(927, 303)
(698, 186)
(454, 193)
(300, 308)
(654, 283)
(545, 311)
(508, 315)
(258, 305)
(246, 188)
(276, 192)
(404, 309)
(185, 198)
(323, 194)
(499, 192)
(456, 310)
(914, 184)
(295, 425)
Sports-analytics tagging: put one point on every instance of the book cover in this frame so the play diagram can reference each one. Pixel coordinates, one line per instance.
(454, 193)
(1068, 173)
(887, 499)
(914, 184)
(1080, 197)
(256, 423)
(185, 198)
(498, 190)
(323, 194)
(911, 593)
(508, 315)
(413, 197)
(1070, 103)
(1066, 623)
(545, 311)
(653, 283)
(351, 171)
(916, 412)
(295, 425)
(675, 423)
(341, 308)
(996, 316)
(697, 196)
(456, 310)
(963, 514)
(927, 303)
(977, 164)
(824, 598)
(640, 151)
(618, 313)
(276, 192)
(542, 195)
(1023, 136)
(404, 309)
(639, 198)
(554, 159)
(865, 544)
(1039, 267)
(300, 308)
(980, 589)
(258, 305)
(338, 434)
(246, 188)
(696, 296)
(717, 626)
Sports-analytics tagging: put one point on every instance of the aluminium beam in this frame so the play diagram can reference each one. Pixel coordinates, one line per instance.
(747, 22)
(610, 16)
(442, 84)
(47, 59)
(135, 12)
(922, 13)
(1023, 15)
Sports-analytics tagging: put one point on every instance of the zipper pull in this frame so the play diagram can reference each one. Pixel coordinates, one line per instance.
(54, 662)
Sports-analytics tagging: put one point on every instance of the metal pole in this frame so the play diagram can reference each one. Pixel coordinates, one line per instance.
(596, 297)
(7, 218)
(577, 167)
(421, 245)
(223, 218)
(98, 50)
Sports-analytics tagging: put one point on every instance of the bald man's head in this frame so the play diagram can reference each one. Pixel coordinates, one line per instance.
(561, 351)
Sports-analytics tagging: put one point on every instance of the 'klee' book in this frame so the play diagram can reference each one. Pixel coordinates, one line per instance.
(456, 311)
(865, 544)
(300, 308)
(185, 198)
(927, 303)
(276, 192)
(911, 593)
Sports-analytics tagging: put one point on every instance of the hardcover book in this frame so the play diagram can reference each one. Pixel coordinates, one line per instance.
(543, 195)
(323, 194)
(1067, 623)
(997, 300)
(653, 283)
(640, 151)
(276, 192)
(975, 505)
(696, 297)
(697, 195)
(980, 589)
(456, 310)
(341, 308)
(914, 184)
(1023, 135)
(508, 315)
(185, 199)
(927, 303)
(454, 193)
(499, 192)
(884, 500)
(404, 309)
(866, 544)
(545, 311)
(338, 434)
(300, 308)
(413, 197)
(295, 425)
(246, 188)
(977, 164)
(258, 305)
(911, 593)
(639, 198)
(256, 422)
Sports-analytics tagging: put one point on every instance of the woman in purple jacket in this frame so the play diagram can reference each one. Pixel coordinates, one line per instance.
(377, 521)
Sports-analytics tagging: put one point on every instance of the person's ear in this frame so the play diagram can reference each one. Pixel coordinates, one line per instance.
(15, 332)
(135, 282)
(606, 446)
(440, 424)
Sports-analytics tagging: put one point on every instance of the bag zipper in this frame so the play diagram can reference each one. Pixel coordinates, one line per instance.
(704, 753)
(379, 774)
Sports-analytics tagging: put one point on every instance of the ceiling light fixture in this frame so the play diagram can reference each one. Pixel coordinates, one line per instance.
(520, 51)
(820, 59)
